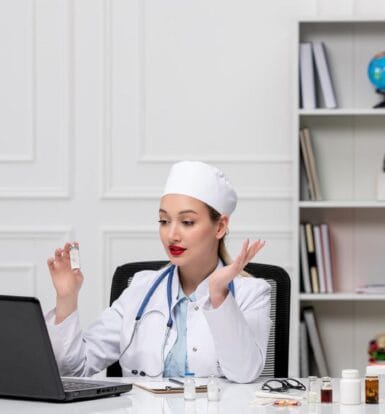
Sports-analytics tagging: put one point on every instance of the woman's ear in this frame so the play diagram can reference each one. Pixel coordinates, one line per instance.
(223, 223)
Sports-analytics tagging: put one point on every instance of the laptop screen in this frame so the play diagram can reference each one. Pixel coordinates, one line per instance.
(28, 366)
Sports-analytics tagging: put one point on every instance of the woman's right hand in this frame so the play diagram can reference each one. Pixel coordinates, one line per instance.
(67, 282)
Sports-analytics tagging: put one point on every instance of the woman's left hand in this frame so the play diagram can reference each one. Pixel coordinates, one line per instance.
(220, 278)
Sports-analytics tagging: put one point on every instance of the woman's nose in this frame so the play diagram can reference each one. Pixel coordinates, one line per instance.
(174, 233)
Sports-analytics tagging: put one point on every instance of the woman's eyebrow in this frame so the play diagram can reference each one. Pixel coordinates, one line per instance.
(187, 211)
(181, 212)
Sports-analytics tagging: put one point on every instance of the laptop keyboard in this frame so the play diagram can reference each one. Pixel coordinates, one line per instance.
(73, 386)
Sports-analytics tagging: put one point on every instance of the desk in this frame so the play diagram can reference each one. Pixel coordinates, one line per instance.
(235, 400)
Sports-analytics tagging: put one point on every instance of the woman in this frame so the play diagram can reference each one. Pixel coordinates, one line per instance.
(201, 315)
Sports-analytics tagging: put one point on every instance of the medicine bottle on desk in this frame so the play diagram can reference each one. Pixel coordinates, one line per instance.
(326, 390)
(213, 389)
(350, 387)
(312, 395)
(371, 389)
(189, 391)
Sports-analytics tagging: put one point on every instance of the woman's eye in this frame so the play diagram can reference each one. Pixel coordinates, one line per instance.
(162, 222)
(187, 222)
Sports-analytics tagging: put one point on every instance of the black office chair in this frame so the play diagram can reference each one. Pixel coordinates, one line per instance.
(277, 356)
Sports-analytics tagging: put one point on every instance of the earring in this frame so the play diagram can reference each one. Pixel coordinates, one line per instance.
(227, 232)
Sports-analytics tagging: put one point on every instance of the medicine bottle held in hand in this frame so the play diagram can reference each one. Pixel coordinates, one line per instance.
(74, 256)
(189, 391)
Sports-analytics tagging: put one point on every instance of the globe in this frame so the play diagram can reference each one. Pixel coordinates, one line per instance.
(376, 71)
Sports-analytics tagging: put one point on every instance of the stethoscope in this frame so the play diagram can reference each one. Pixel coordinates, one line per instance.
(168, 273)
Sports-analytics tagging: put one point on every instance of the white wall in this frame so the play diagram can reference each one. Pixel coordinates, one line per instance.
(99, 97)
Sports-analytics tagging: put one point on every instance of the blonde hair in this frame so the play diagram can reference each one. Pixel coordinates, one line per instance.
(223, 253)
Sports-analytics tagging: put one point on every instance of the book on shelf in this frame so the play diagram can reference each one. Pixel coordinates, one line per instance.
(304, 193)
(324, 76)
(310, 164)
(319, 259)
(305, 273)
(327, 258)
(315, 341)
(311, 257)
(372, 288)
(315, 258)
(307, 80)
(303, 350)
(306, 165)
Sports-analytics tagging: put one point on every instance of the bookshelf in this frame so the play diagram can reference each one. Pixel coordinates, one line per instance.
(349, 146)
(310, 297)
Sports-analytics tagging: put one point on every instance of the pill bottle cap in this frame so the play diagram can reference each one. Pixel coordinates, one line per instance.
(375, 369)
(350, 373)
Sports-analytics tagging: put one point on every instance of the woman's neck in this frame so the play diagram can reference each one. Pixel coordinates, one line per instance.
(191, 276)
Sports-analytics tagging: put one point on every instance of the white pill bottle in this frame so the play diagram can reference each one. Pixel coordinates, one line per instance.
(350, 387)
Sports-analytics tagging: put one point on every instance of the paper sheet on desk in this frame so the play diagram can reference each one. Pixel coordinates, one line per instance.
(168, 387)
(264, 398)
(279, 395)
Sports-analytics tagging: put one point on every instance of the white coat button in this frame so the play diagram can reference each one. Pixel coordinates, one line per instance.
(195, 349)
(196, 307)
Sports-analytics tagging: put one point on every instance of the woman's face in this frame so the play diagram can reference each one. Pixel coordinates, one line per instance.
(186, 230)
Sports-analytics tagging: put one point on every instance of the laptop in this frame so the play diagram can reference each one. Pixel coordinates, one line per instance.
(28, 367)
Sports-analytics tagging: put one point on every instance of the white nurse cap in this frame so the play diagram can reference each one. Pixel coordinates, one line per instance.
(203, 182)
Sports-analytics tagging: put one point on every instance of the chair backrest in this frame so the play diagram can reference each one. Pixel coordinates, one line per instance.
(277, 356)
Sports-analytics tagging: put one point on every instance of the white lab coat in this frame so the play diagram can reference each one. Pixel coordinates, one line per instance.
(228, 341)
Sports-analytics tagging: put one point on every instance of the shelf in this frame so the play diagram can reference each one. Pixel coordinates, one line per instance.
(339, 19)
(342, 112)
(357, 297)
(342, 204)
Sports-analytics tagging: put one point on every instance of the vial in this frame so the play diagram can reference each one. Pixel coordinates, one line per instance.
(326, 390)
(312, 395)
(189, 391)
(74, 256)
(350, 387)
(213, 389)
(371, 389)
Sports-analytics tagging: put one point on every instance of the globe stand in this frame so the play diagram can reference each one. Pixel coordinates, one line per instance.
(380, 104)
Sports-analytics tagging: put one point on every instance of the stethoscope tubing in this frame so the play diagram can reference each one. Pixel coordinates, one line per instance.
(169, 272)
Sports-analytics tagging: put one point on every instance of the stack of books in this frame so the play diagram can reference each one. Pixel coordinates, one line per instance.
(316, 258)
(313, 66)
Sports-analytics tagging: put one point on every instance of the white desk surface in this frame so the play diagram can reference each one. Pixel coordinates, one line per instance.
(235, 399)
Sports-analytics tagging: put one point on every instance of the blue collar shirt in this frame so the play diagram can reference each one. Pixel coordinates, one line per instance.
(176, 363)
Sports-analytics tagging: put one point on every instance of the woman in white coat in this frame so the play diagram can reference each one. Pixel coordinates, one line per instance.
(198, 314)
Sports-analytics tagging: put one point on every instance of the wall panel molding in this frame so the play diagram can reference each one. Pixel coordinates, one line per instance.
(253, 158)
(34, 232)
(138, 157)
(110, 234)
(40, 80)
(153, 193)
(29, 155)
(24, 250)
(29, 271)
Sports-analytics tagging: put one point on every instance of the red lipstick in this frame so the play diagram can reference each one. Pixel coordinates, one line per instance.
(176, 250)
